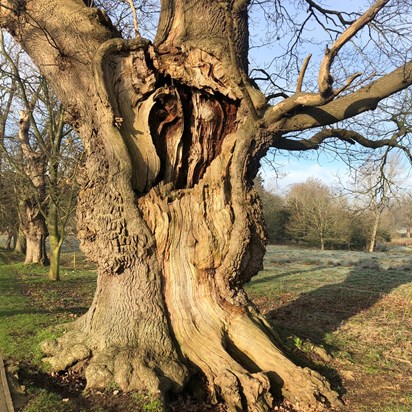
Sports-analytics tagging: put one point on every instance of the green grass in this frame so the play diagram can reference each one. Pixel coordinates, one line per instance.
(21, 325)
(358, 306)
(31, 306)
(355, 306)
(46, 402)
(33, 309)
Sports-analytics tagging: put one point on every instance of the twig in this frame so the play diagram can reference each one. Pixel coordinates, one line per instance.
(135, 22)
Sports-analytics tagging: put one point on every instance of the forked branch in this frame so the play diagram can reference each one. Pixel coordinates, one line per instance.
(326, 92)
(328, 13)
(364, 99)
(325, 79)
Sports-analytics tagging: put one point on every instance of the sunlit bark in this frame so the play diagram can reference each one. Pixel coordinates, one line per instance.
(173, 133)
(32, 222)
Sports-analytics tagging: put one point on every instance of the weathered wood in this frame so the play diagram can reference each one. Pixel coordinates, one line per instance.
(6, 402)
(173, 134)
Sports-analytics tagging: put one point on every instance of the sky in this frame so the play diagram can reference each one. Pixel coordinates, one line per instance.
(290, 169)
(293, 169)
(299, 170)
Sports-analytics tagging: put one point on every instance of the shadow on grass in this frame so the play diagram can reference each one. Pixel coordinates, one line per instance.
(8, 256)
(318, 312)
(270, 278)
(76, 310)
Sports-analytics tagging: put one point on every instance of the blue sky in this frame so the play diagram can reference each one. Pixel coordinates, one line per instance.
(317, 165)
(292, 169)
(298, 170)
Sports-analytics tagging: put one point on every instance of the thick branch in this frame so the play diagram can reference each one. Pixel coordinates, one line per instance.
(364, 99)
(326, 92)
(348, 136)
(167, 8)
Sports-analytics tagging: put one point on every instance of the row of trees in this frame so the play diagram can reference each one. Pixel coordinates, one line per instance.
(370, 207)
(39, 155)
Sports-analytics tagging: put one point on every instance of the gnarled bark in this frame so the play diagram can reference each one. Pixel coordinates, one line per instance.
(31, 220)
(173, 134)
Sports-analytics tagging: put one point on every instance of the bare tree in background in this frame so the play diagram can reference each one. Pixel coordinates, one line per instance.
(43, 155)
(374, 188)
(315, 215)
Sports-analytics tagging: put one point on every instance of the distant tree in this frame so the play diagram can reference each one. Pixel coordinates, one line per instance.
(373, 189)
(403, 214)
(8, 207)
(315, 215)
(8, 215)
(32, 220)
(44, 153)
(274, 211)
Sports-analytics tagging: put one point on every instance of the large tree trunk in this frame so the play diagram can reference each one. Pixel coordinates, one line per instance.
(35, 232)
(176, 230)
(31, 220)
(171, 270)
(168, 212)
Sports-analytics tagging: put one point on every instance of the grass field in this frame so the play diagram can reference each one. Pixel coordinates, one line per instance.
(347, 314)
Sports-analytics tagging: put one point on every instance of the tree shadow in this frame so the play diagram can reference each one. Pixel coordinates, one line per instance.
(321, 311)
(316, 313)
(268, 279)
(73, 311)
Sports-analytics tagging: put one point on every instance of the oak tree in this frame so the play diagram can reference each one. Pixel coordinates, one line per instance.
(173, 131)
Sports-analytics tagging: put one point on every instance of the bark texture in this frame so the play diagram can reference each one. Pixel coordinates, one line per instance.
(56, 236)
(167, 211)
(31, 220)
(20, 246)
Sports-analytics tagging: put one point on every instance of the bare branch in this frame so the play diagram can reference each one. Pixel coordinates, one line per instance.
(326, 12)
(235, 62)
(348, 83)
(325, 79)
(349, 136)
(135, 22)
(302, 73)
(364, 99)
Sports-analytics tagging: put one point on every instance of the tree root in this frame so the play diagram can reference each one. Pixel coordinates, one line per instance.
(300, 386)
(243, 367)
(127, 368)
(243, 391)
